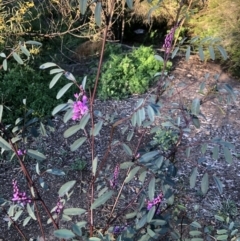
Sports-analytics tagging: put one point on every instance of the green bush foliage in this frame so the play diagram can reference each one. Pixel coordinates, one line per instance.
(24, 82)
(126, 74)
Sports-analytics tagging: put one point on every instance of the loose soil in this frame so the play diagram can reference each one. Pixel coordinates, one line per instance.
(220, 121)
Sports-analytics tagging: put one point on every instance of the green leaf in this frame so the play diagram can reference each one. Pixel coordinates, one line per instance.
(211, 51)
(76, 144)
(84, 82)
(3, 55)
(84, 120)
(59, 108)
(151, 213)
(222, 237)
(94, 239)
(130, 215)
(223, 52)
(218, 184)
(193, 177)
(151, 233)
(130, 3)
(36, 155)
(47, 65)
(65, 188)
(141, 222)
(77, 230)
(148, 156)
(71, 131)
(83, 6)
(201, 53)
(151, 113)
(1, 112)
(30, 212)
(196, 224)
(215, 152)
(197, 239)
(174, 52)
(102, 199)
(195, 233)
(37, 168)
(5, 64)
(68, 115)
(205, 184)
(26, 221)
(98, 14)
(126, 165)
(151, 189)
(229, 89)
(97, 128)
(222, 231)
(127, 149)
(219, 218)
(195, 108)
(33, 43)
(94, 165)
(158, 222)
(158, 57)
(188, 151)
(130, 135)
(55, 79)
(63, 90)
(56, 71)
(204, 148)
(64, 233)
(227, 155)
(131, 174)
(134, 119)
(17, 215)
(56, 172)
(74, 211)
(188, 52)
(25, 51)
(17, 58)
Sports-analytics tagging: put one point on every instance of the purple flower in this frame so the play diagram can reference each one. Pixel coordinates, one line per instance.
(79, 107)
(168, 40)
(19, 197)
(59, 206)
(113, 182)
(155, 201)
(119, 229)
(20, 152)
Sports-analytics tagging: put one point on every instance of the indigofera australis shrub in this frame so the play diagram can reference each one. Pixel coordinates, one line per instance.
(152, 212)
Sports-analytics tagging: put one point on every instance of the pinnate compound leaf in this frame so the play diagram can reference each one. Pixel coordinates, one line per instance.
(127, 149)
(30, 212)
(76, 144)
(5, 64)
(129, 3)
(205, 183)
(55, 79)
(102, 199)
(71, 131)
(74, 211)
(148, 156)
(63, 90)
(32, 42)
(17, 58)
(193, 177)
(83, 6)
(187, 56)
(195, 108)
(4, 144)
(65, 188)
(151, 189)
(98, 13)
(151, 214)
(94, 165)
(227, 155)
(56, 172)
(131, 174)
(26, 221)
(59, 108)
(36, 155)
(218, 184)
(47, 65)
(64, 233)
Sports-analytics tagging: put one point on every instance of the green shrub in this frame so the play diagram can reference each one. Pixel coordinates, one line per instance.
(126, 74)
(21, 82)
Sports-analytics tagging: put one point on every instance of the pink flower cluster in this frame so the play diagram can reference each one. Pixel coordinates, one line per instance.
(59, 206)
(19, 197)
(21, 153)
(113, 182)
(79, 107)
(155, 201)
